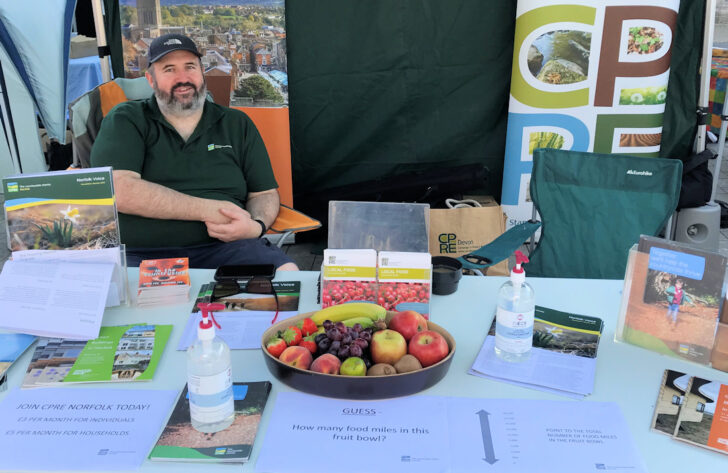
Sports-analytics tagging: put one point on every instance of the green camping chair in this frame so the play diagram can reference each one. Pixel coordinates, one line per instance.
(594, 207)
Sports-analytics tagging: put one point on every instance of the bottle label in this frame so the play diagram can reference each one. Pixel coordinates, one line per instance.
(211, 397)
(514, 330)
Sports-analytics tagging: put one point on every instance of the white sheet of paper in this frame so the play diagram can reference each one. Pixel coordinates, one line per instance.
(241, 330)
(117, 285)
(80, 429)
(516, 435)
(54, 299)
(527, 385)
(556, 372)
(404, 435)
(426, 434)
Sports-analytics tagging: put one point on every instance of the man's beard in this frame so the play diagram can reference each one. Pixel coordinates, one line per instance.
(170, 105)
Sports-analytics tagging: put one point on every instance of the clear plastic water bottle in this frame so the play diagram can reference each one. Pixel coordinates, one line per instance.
(514, 315)
(209, 376)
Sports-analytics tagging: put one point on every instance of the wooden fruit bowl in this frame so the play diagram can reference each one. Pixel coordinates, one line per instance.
(356, 387)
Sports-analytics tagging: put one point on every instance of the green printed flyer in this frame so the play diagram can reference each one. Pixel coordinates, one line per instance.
(121, 353)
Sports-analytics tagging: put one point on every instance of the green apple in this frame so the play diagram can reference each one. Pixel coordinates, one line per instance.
(353, 366)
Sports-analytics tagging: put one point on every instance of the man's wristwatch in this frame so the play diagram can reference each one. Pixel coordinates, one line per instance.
(263, 228)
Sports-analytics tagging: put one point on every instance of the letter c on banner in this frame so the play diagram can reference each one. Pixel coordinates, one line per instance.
(525, 25)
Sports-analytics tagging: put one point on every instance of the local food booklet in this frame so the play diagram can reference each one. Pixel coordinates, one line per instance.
(693, 410)
(121, 353)
(672, 298)
(181, 442)
(12, 345)
(72, 210)
(563, 357)
(246, 316)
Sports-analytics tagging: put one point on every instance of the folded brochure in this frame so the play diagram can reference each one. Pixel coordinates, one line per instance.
(563, 357)
(246, 316)
(181, 442)
(120, 353)
(693, 410)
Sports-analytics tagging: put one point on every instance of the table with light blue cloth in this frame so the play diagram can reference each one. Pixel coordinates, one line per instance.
(84, 74)
(626, 374)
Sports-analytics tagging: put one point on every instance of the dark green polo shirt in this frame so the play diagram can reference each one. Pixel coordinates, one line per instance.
(224, 159)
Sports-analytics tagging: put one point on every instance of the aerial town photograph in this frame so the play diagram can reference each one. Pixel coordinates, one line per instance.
(243, 43)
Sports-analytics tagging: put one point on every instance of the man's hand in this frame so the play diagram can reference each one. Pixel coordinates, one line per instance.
(238, 225)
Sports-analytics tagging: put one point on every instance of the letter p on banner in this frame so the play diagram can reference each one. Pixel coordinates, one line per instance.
(626, 52)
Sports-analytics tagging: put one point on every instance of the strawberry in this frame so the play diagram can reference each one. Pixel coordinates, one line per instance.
(308, 326)
(275, 346)
(308, 342)
(292, 335)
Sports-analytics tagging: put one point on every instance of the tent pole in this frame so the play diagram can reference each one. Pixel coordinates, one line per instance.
(705, 67)
(9, 125)
(104, 51)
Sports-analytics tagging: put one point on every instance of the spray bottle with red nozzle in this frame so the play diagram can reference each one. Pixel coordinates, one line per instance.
(209, 375)
(514, 315)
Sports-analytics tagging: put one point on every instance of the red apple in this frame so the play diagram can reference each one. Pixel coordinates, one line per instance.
(429, 347)
(408, 323)
(387, 346)
(327, 364)
(297, 356)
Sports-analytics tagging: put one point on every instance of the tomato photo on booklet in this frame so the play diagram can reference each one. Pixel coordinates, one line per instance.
(392, 294)
(339, 292)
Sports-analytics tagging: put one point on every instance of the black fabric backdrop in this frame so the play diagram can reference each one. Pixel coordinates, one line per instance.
(381, 88)
(384, 87)
(680, 125)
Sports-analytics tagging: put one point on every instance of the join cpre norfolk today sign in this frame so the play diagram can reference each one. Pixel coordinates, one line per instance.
(587, 75)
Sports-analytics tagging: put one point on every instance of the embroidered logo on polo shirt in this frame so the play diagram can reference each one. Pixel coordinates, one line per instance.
(212, 147)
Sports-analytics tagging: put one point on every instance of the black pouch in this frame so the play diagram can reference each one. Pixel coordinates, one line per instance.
(697, 181)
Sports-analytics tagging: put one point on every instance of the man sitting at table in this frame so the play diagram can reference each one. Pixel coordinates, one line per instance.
(192, 178)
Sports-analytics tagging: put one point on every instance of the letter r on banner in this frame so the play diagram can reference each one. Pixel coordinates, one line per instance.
(516, 164)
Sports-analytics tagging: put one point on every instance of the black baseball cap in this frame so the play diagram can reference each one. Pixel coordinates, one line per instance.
(171, 42)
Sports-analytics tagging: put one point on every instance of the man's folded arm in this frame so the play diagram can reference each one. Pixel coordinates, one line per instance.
(137, 196)
(263, 205)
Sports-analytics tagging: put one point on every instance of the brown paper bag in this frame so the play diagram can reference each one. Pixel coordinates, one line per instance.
(456, 232)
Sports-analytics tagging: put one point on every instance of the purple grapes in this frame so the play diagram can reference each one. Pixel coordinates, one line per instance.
(344, 352)
(355, 350)
(324, 344)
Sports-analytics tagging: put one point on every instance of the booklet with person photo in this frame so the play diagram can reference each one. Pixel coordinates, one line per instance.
(563, 357)
(246, 315)
(672, 298)
(181, 442)
(693, 410)
(121, 353)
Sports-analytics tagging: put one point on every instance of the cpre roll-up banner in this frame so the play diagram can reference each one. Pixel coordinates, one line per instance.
(587, 75)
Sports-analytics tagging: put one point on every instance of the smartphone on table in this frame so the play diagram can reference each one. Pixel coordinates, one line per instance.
(242, 272)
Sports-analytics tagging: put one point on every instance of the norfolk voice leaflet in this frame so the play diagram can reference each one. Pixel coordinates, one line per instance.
(54, 299)
(563, 358)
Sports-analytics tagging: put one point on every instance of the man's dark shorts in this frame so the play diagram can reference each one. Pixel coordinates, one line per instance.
(213, 255)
